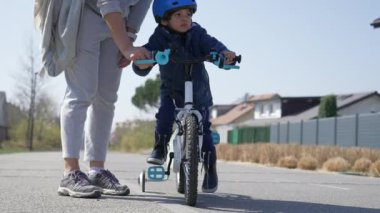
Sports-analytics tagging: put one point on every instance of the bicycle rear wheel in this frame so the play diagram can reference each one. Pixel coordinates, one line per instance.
(191, 160)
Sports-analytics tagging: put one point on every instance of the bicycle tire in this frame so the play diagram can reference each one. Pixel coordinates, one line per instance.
(191, 162)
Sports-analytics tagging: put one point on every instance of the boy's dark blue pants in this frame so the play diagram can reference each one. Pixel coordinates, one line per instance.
(166, 115)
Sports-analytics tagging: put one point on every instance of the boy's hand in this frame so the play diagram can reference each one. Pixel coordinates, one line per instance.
(144, 66)
(229, 56)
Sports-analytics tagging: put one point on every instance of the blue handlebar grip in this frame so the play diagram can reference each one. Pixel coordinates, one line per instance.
(219, 58)
(227, 67)
(213, 54)
(145, 61)
(162, 58)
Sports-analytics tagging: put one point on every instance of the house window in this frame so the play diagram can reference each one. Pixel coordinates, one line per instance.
(270, 108)
(261, 108)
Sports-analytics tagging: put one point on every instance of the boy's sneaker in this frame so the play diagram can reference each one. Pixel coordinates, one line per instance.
(108, 183)
(158, 155)
(77, 184)
(210, 180)
(160, 150)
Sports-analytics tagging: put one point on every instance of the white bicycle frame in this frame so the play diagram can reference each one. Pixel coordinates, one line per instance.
(177, 145)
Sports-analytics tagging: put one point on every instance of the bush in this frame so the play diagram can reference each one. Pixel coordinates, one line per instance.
(288, 162)
(269, 154)
(12, 146)
(228, 152)
(328, 107)
(337, 164)
(307, 162)
(375, 169)
(18, 132)
(133, 136)
(47, 136)
(310, 157)
(362, 165)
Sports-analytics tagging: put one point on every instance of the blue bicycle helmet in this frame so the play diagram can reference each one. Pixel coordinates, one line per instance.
(161, 8)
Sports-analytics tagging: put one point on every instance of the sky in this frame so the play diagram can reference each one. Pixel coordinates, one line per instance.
(293, 48)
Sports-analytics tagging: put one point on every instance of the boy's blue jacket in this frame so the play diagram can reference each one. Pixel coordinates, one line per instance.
(196, 44)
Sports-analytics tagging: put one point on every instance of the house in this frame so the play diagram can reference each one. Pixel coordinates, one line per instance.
(226, 122)
(268, 109)
(347, 104)
(261, 108)
(219, 110)
(273, 106)
(245, 110)
(3, 117)
(266, 106)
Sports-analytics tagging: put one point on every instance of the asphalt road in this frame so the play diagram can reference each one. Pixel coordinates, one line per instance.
(29, 182)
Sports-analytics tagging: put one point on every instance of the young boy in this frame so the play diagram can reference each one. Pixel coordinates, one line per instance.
(176, 30)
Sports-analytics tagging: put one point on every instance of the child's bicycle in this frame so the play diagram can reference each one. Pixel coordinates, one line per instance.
(187, 139)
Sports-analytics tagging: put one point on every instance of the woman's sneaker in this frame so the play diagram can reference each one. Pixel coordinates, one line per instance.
(108, 183)
(77, 184)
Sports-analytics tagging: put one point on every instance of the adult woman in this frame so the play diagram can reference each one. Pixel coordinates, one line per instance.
(104, 45)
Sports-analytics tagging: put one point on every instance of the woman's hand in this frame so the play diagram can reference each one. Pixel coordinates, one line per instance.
(123, 61)
(139, 53)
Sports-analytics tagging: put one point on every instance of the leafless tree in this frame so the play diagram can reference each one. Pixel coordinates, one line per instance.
(28, 86)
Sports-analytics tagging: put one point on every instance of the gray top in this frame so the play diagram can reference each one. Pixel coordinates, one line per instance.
(59, 24)
(133, 11)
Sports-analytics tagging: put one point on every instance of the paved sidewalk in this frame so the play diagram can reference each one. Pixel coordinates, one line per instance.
(29, 182)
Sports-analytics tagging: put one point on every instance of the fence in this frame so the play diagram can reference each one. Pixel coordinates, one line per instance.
(357, 130)
(248, 135)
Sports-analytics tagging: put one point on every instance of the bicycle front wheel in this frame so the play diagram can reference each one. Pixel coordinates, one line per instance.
(191, 160)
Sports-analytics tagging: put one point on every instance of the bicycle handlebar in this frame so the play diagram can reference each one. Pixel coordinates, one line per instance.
(163, 57)
(159, 57)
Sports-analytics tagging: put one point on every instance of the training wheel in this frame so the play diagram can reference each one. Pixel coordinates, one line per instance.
(141, 180)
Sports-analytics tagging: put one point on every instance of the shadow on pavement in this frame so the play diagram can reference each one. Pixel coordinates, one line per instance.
(221, 202)
(240, 203)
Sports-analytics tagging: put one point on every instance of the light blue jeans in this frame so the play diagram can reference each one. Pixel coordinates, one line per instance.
(88, 107)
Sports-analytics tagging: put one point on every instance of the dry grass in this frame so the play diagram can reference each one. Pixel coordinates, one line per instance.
(337, 164)
(288, 162)
(362, 165)
(309, 157)
(307, 162)
(375, 169)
